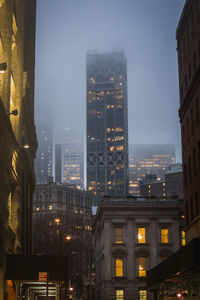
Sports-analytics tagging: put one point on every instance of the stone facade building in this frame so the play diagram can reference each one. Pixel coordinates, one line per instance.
(17, 131)
(132, 235)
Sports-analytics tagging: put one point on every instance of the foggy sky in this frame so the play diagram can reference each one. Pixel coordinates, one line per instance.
(145, 29)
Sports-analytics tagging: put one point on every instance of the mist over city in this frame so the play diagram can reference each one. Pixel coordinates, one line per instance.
(145, 30)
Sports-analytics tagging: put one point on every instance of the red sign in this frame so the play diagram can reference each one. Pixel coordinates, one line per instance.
(42, 276)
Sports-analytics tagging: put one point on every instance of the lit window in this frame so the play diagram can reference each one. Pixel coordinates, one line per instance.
(119, 295)
(118, 129)
(183, 238)
(119, 267)
(119, 148)
(108, 129)
(118, 235)
(112, 148)
(164, 194)
(142, 266)
(163, 183)
(142, 294)
(141, 235)
(182, 216)
(50, 207)
(149, 186)
(37, 208)
(164, 236)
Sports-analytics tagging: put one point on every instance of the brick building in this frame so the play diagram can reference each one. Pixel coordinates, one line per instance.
(188, 47)
(17, 131)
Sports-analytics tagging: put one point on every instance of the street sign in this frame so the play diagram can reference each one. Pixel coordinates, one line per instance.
(42, 276)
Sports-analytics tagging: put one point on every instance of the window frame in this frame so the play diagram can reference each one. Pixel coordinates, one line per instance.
(164, 235)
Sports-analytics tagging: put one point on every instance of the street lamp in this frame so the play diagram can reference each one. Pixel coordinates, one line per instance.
(68, 238)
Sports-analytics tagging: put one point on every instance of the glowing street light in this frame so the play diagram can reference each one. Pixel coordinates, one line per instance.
(68, 237)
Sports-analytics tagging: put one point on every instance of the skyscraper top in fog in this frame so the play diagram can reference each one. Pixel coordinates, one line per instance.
(107, 124)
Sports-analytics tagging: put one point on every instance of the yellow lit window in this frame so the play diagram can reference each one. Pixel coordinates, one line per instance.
(149, 186)
(143, 295)
(118, 129)
(119, 295)
(142, 266)
(119, 148)
(164, 236)
(183, 238)
(108, 129)
(163, 183)
(164, 194)
(118, 235)
(50, 207)
(182, 216)
(119, 267)
(112, 148)
(141, 235)
(108, 106)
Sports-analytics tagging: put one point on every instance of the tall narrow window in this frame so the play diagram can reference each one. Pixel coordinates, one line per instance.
(119, 295)
(183, 238)
(142, 266)
(141, 238)
(142, 294)
(119, 267)
(118, 235)
(164, 236)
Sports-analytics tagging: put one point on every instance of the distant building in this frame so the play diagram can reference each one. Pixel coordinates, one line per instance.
(148, 159)
(107, 124)
(18, 142)
(131, 236)
(171, 186)
(69, 161)
(43, 162)
(62, 226)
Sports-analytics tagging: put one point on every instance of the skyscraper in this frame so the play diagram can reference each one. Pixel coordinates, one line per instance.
(107, 124)
(148, 159)
(69, 160)
(43, 162)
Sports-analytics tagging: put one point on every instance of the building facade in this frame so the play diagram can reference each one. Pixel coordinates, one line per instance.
(148, 159)
(44, 157)
(18, 141)
(172, 186)
(188, 47)
(69, 161)
(107, 125)
(131, 236)
(62, 226)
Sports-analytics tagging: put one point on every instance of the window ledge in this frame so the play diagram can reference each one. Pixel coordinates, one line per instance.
(141, 277)
(119, 277)
(142, 244)
(165, 244)
(119, 244)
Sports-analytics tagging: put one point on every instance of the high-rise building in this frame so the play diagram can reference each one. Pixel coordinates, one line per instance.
(18, 141)
(69, 160)
(148, 159)
(107, 125)
(188, 47)
(43, 162)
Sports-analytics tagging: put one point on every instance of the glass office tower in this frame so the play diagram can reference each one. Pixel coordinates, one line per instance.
(107, 124)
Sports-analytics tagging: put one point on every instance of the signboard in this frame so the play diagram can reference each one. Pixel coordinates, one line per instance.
(42, 276)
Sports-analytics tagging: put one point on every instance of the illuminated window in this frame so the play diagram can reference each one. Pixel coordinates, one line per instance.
(119, 148)
(183, 238)
(141, 235)
(182, 216)
(37, 208)
(50, 207)
(142, 294)
(108, 129)
(118, 235)
(119, 295)
(142, 266)
(1, 2)
(119, 267)
(163, 183)
(118, 129)
(112, 148)
(149, 186)
(164, 236)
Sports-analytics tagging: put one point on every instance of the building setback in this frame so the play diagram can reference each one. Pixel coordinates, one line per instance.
(131, 236)
(18, 142)
(148, 159)
(107, 125)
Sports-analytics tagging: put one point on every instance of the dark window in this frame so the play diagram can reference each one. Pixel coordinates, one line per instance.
(194, 162)
(197, 110)
(191, 209)
(185, 174)
(186, 213)
(192, 121)
(189, 169)
(194, 61)
(197, 202)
